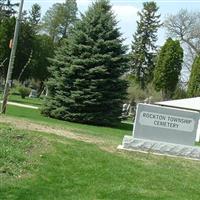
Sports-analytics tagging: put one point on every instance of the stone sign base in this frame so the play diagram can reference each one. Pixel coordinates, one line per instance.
(161, 148)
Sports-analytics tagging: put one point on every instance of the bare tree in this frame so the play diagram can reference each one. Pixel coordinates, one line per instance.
(185, 26)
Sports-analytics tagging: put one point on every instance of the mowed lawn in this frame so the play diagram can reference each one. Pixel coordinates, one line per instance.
(115, 134)
(42, 166)
(28, 101)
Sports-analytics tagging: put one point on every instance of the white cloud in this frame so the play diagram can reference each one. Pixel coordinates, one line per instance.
(125, 12)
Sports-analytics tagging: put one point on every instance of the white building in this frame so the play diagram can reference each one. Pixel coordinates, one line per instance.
(188, 104)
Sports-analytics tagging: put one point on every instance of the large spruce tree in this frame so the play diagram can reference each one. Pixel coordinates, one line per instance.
(194, 82)
(85, 84)
(168, 68)
(143, 47)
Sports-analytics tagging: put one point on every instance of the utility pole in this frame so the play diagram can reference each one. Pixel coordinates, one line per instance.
(12, 60)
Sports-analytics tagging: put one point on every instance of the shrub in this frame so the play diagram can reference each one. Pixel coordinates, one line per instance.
(137, 95)
(24, 91)
(180, 92)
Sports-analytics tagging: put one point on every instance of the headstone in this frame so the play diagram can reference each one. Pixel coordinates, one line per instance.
(164, 130)
(33, 94)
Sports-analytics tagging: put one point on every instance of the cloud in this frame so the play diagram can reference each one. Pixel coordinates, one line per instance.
(125, 12)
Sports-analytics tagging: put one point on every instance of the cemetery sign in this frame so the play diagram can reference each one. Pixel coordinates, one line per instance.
(164, 130)
(166, 124)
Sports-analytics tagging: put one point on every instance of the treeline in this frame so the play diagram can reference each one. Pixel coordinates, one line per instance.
(155, 72)
(88, 70)
(39, 38)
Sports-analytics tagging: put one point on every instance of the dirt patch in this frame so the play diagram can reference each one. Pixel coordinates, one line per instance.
(32, 126)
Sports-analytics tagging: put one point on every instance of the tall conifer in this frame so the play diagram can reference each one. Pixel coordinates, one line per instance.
(85, 84)
(168, 68)
(194, 82)
(143, 46)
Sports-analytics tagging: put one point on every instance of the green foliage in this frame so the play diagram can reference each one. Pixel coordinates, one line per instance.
(33, 49)
(7, 9)
(23, 91)
(137, 95)
(35, 16)
(168, 68)
(142, 57)
(24, 49)
(43, 48)
(85, 84)
(180, 92)
(6, 34)
(194, 82)
(59, 19)
(25, 44)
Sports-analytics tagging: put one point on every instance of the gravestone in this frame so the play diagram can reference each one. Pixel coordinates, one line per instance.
(164, 130)
(33, 94)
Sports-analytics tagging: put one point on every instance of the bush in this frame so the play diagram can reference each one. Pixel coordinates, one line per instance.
(24, 91)
(137, 95)
(180, 93)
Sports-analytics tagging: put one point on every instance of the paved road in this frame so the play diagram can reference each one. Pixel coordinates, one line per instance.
(22, 105)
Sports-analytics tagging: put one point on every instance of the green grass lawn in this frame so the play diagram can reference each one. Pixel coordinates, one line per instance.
(113, 134)
(40, 166)
(29, 101)
(116, 133)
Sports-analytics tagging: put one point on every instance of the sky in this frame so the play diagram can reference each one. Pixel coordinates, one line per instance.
(126, 12)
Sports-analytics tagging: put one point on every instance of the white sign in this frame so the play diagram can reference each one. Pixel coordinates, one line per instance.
(171, 125)
(167, 121)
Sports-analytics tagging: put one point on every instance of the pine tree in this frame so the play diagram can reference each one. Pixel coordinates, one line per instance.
(85, 84)
(7, 9)
(59, 19)
(194, 81)
(142, 57)
(168, 68)
(35, 15)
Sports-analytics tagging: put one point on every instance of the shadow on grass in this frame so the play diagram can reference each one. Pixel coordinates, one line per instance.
(125, 126)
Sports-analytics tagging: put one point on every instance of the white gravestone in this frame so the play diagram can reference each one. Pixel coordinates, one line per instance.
(164, 130)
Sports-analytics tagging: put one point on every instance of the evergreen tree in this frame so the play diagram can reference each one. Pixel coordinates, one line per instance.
(194, 82)
(168, 68)
(85, 84)
(35, 16)
(59, 19)
(143, 47)
(7, 9)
